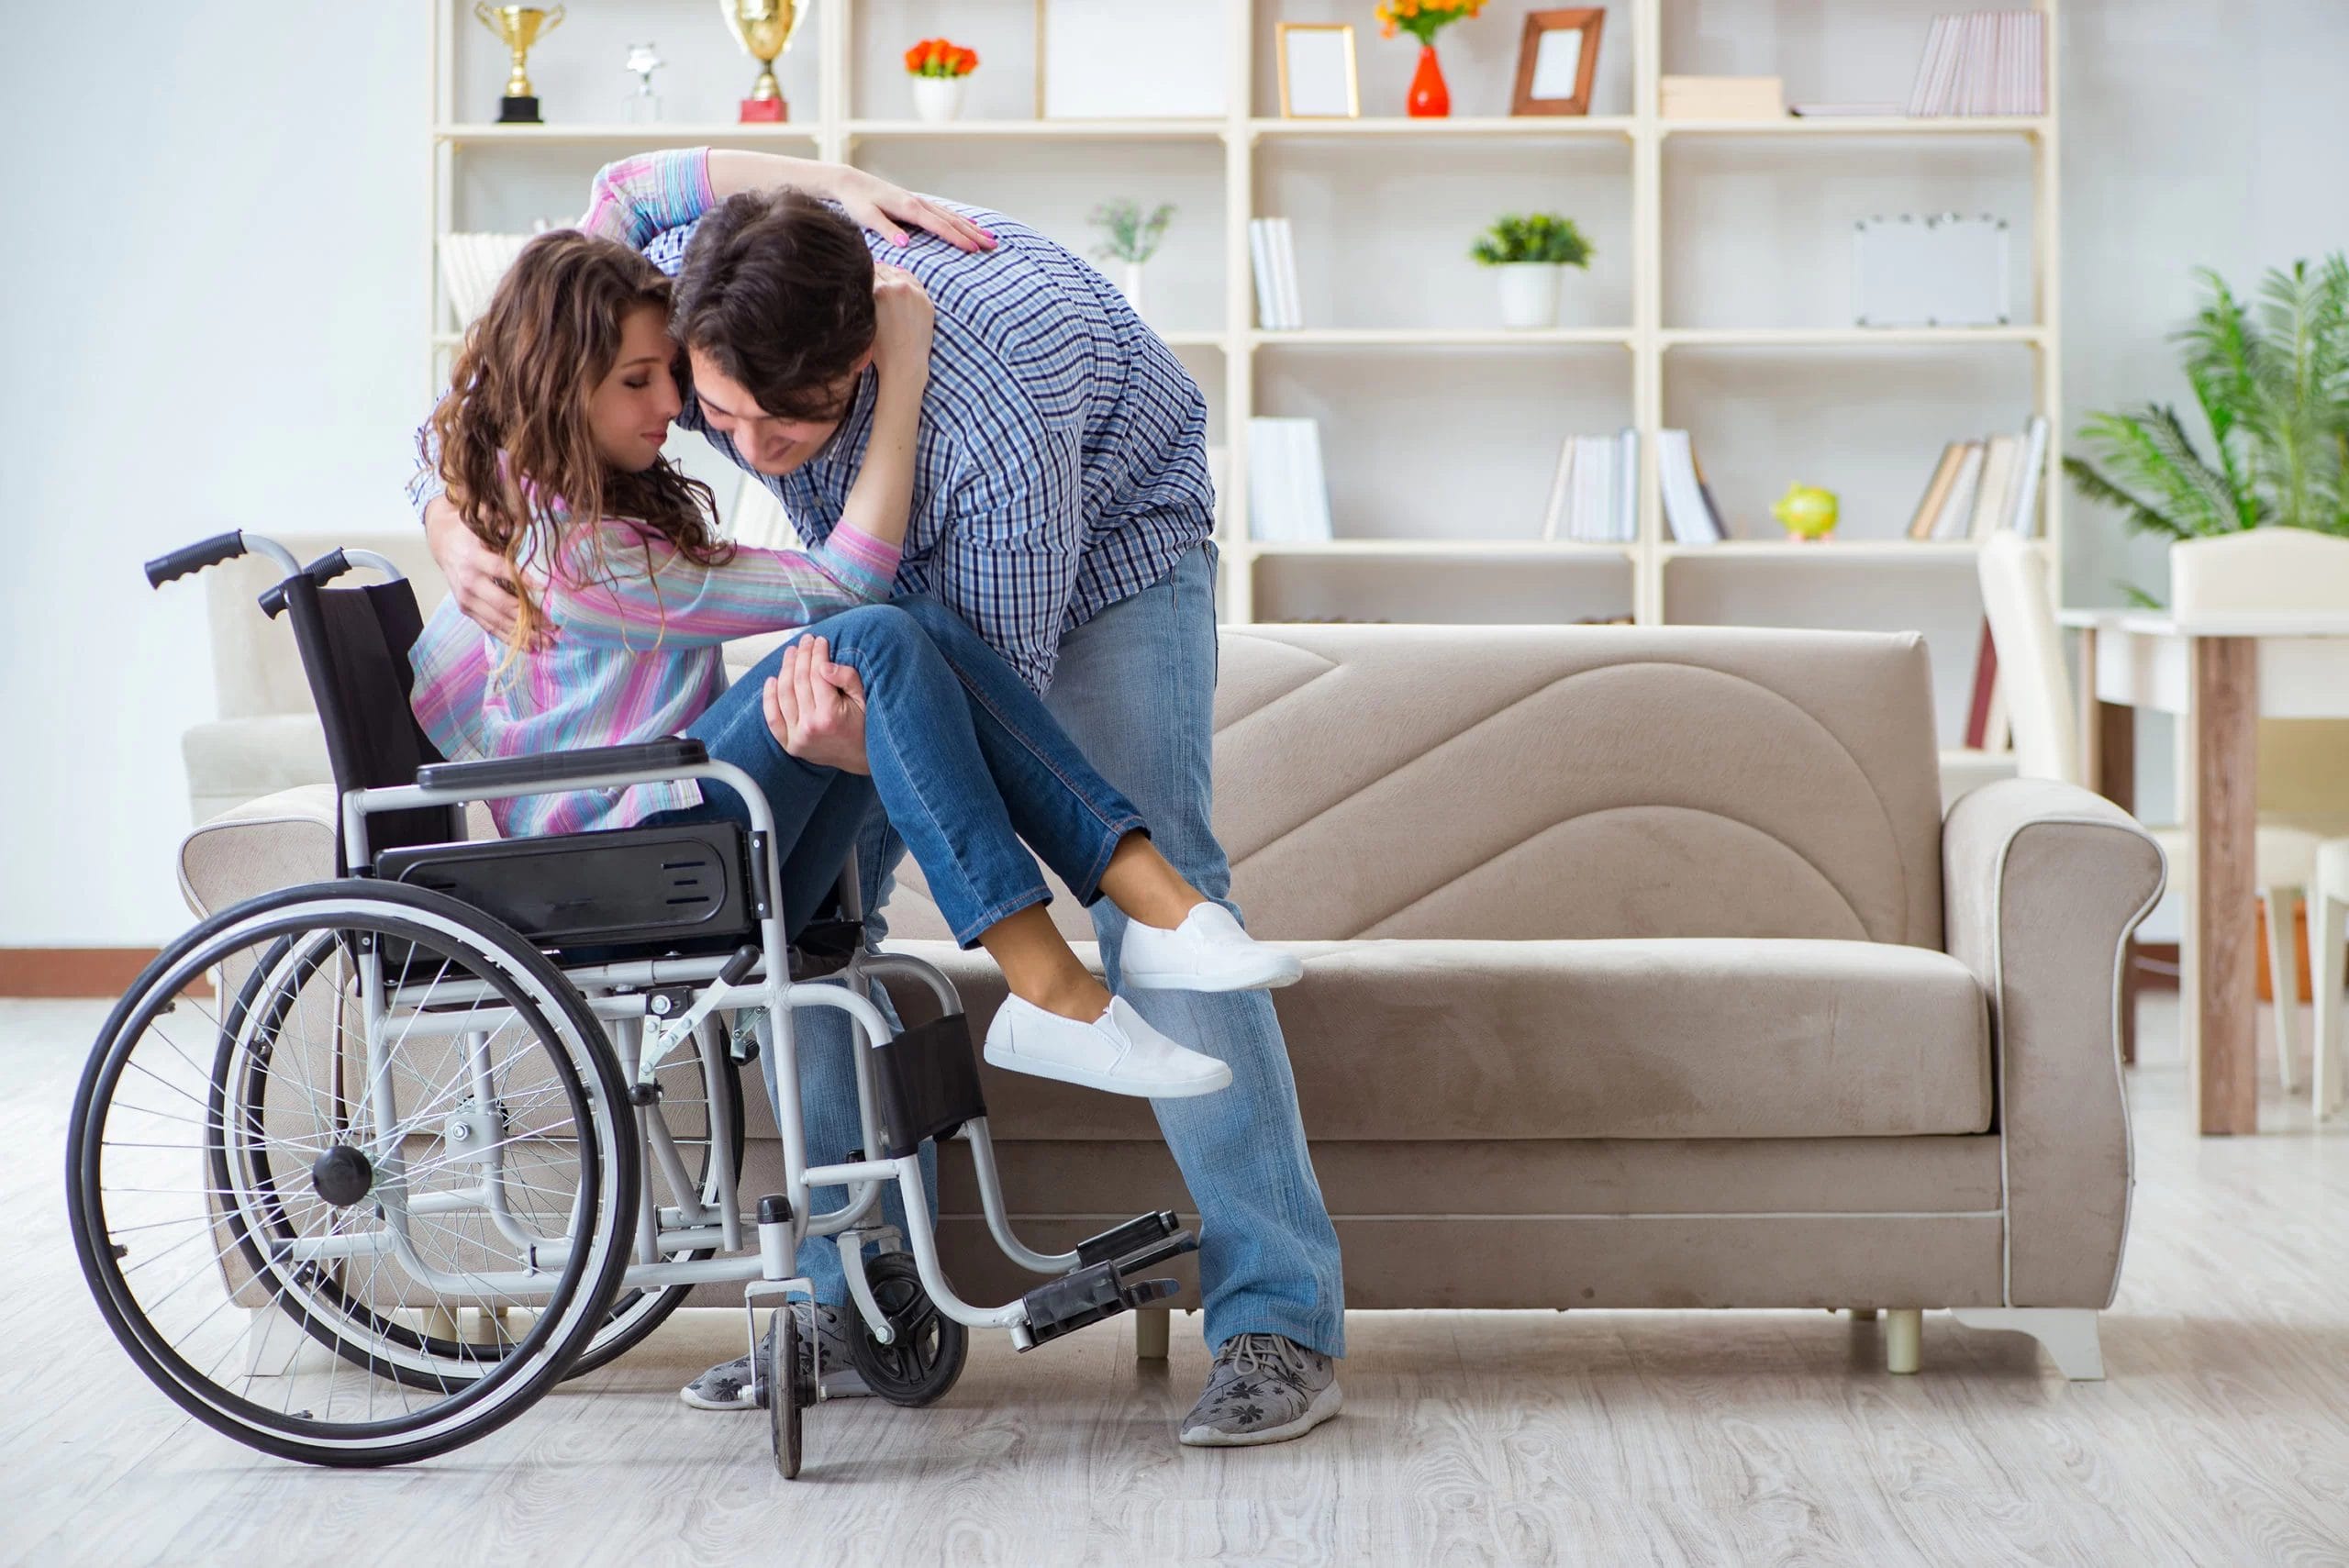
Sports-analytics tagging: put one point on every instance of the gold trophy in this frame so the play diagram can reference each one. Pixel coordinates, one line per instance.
(763, 28)
(519, 26)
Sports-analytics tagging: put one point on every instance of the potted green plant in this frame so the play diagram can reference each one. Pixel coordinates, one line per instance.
(1130, 237)
(2272, 381)
(1530, 254)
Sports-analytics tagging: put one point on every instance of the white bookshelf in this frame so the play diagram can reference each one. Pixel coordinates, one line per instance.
(1243, 368)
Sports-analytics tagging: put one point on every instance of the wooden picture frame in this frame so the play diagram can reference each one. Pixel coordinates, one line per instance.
(1557, 48)
(1311, 89)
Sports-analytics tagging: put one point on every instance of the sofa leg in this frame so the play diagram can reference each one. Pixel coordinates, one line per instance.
(2068, 1334)
(1154, 1332)
(1904, 1338)
(273, 1339)
(1863, 1314)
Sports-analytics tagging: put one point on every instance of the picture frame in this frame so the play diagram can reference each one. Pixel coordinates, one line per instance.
(1557, 58)
(1084, 51)
(1319, 81)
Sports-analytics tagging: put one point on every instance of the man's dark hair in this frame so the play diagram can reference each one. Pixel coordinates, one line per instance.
(777, 289)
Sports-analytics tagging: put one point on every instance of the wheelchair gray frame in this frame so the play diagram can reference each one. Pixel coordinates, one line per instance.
(618, 994)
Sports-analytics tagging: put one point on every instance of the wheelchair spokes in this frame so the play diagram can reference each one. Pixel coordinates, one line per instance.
(337, 1213)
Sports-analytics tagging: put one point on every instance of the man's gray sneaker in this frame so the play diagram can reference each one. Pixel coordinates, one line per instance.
(727, 1386)
(1263, 1388)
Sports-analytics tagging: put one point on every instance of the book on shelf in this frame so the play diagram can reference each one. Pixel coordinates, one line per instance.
(1980, 487)
(1990, 501)
(1594, 496)
(1844, 111)
(1957, 507)
(1986, 678)
(1272, 249)
(1688, 511)
(1722, 98)
(2023, 517)
(1982, 62)
(1288, 493)
(1937, 489)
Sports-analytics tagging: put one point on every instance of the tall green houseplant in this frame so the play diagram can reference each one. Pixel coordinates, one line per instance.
(2271, 377)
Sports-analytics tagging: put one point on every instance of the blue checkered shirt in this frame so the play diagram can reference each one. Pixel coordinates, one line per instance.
(1062, 464)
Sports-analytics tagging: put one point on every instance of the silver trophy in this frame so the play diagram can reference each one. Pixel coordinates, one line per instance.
(641, 107)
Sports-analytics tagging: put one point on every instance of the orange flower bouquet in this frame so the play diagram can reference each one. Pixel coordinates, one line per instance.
(1423, 19)
(939, 68)
(937, 57)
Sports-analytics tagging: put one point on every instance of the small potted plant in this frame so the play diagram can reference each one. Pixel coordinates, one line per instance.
(1423, 19)
(1131, 238)
(1531, 254)
(940, 69)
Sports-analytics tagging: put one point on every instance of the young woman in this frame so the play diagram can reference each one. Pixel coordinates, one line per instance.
(550, 442)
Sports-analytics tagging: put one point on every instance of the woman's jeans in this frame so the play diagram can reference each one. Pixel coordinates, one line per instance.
(965, 760)
(1135, 688)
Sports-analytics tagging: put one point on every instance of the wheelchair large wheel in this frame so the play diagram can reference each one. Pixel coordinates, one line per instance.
(687, 1109)
(352, 1113)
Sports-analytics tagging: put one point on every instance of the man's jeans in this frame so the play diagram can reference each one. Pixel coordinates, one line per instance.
(1135, 689)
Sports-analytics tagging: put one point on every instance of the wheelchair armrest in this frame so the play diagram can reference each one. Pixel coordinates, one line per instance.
(655, 757)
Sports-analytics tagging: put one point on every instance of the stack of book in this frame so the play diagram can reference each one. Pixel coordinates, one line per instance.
(1981, 485)
(1688, 507)
(1274, 250)
(1722, 98)
(1983, 63)
(1288, 493)
(1595, 495)
(472, 265)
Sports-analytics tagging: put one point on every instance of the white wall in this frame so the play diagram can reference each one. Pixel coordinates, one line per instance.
(213, 321)
(216, 309)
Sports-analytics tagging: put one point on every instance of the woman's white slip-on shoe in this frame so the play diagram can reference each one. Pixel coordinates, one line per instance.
(1209, 951)
(1118, 1053)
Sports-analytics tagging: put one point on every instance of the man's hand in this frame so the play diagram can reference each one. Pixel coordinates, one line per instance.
(904, 325)
(476, 573)
(815, 708)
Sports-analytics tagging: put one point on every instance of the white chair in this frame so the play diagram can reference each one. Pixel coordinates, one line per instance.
(2020, 605)
(2328, 935)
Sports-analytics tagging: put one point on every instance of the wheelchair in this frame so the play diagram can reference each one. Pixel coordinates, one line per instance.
(359, 1170)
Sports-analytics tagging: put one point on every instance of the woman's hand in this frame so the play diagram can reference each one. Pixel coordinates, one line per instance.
(815, 708)
(878, 205)
(903, 324)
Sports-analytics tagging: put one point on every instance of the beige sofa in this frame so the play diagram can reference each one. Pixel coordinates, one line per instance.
(1642, 970)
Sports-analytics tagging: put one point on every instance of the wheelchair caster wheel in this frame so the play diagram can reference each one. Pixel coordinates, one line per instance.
(784, 1393)
(926, 1358)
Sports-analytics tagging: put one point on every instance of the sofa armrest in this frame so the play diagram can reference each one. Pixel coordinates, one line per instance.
(280, 840)
(2042, 883)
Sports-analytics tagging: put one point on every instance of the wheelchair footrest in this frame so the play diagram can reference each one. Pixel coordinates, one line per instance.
(1142, 1231)
(1084, 1296)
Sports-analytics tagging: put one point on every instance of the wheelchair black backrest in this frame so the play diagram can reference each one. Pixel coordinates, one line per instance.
(354, 644)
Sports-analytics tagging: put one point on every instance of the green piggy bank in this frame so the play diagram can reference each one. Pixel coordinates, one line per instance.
(1807, 511)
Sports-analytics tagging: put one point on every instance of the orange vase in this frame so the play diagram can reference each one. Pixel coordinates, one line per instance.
(1430, 97)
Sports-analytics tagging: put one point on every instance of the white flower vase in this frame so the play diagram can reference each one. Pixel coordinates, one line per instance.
(1132, 283)
(938, 99)
(1529, 294)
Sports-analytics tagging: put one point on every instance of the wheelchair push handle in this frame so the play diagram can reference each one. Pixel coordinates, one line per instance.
(212, 553)
(325, 570)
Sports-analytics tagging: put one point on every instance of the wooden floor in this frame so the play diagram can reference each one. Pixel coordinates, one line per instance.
(2223, 1437)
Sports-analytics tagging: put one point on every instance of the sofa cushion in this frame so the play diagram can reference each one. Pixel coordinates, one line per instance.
(1702, 1037)
(1568, 783)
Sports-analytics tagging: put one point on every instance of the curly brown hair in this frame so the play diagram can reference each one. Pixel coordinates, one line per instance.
(512, 437)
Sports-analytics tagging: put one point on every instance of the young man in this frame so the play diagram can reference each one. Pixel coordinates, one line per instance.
(1062, 507)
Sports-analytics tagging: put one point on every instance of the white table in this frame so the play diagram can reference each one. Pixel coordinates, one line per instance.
(2222, 673)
